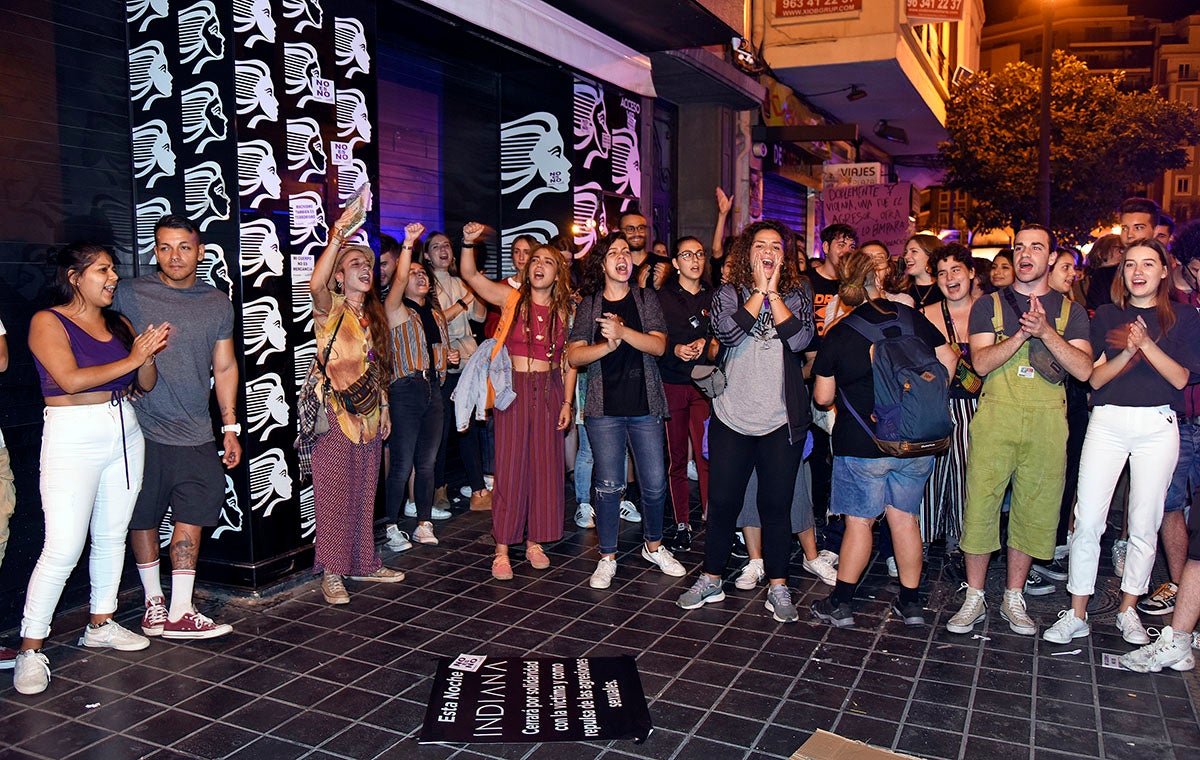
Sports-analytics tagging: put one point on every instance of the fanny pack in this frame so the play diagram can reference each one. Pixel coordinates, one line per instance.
(362, 396)
(1040, 358)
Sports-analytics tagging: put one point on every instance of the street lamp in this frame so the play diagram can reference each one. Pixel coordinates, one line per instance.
(1044, 126)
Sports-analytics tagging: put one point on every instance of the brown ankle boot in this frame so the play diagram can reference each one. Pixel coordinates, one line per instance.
(439, 498)
(481, 502)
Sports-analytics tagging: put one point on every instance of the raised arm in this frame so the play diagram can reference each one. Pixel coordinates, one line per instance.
(49, 343)
(495, 293)
(724, 205)
(397, 312)
(318, 285)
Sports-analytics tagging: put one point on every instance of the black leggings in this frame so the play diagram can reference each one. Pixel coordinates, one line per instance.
(732, 457)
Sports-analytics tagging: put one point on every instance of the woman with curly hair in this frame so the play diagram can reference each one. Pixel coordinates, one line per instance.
(620, 332)
(763, 318)
(528, 503)
(354, 358)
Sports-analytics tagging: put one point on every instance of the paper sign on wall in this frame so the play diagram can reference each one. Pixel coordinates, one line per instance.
(876, 212)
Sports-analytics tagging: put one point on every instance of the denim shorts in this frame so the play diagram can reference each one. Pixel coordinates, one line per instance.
(862, 487)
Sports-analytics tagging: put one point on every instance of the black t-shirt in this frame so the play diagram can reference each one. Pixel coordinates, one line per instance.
(687, 317)
(925, 295)
(1139, 384)
(624, 373)
(823, 292)
(1099, 290)
(845, 356)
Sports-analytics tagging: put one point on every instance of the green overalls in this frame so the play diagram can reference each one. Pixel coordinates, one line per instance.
(1019, 433)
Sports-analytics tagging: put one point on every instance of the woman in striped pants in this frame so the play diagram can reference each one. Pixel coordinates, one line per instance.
(527, 503)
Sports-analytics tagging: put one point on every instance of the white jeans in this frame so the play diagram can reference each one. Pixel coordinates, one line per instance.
(83, 482)
(1149, 438)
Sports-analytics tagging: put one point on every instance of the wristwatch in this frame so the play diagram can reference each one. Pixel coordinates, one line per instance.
(235, 428)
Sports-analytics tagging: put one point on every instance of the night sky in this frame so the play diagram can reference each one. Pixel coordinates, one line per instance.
(1002, 10)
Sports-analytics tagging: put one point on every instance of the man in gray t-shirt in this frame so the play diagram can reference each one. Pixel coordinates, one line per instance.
(183, 468)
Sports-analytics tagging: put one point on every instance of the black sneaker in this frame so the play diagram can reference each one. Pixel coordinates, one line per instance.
(681, 539)
(739, 547)
(1055, 570)
(912, 613)
(1036, 585)
(838, 617)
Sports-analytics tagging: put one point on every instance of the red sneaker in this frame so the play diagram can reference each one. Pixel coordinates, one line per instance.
(156, 615)
(194, 625)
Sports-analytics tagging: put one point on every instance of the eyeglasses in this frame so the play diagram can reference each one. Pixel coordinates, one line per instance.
(631, 228)
(692, 255)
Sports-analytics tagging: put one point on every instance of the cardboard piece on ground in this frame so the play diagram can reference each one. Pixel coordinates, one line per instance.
(826, 746)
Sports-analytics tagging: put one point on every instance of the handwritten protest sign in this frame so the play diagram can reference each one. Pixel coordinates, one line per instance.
(876, 212)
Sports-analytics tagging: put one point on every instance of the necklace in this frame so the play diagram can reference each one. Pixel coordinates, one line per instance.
(923, 296)
(357, 309)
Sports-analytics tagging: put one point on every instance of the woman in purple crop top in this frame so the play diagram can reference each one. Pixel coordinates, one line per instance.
(89, 360)
(528, 503)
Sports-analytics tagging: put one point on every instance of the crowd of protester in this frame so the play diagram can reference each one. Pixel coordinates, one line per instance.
(1061, 389)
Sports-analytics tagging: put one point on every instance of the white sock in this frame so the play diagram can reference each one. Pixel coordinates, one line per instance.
(151, 579)
(182, 582)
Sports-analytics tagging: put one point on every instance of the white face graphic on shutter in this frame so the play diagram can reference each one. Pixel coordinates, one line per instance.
(200, 38)
(350, 47)
(255, 92)
(204, 194)
(532, 158)
(149, 77)
(258, 174)
(254, 18)
(153, 156)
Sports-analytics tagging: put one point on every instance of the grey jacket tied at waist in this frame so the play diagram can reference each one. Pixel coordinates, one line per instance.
(472, 391)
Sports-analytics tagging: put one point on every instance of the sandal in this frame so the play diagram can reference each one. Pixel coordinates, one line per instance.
(501, 569)
(537, 557)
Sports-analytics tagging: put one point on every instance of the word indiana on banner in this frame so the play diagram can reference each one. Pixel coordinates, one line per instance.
(540, 699)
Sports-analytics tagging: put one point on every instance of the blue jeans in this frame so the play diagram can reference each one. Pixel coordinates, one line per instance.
(583, 468)
(1187, 469)
(609, 437)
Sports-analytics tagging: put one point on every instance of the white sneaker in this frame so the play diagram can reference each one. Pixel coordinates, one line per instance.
(828, 556)
(1068, 627)
(110, 634)
(605, 570)
(821, 567)
(466, 492)
(751, 575)
(424, 534)
(410, 509)
(398, 540)
(490, 482)
(1171, 650)
(31, 673)
(893, 570)
(664, 560)
(692, 472)
(440, 514)
(585, 517)
(1120, 548)
(1012, 609)
(1130, 626)
(973, 610)
(629, 512)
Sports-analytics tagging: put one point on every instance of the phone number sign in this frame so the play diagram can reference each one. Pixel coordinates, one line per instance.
(934, 10)
(800, 8)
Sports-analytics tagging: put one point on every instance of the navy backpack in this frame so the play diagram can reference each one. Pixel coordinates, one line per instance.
(912, 389)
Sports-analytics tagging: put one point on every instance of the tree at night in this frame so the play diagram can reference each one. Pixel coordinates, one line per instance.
(1103, 141)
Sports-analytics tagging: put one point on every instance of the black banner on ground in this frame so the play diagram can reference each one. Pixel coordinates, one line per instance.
(540, 699)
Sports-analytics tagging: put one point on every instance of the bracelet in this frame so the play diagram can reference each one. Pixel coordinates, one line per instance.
(467, 245)
(461, 303)
(383, 406)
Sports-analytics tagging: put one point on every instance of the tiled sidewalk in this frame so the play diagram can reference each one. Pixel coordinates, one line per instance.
(299, 678)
